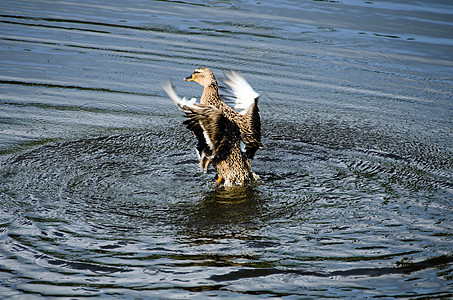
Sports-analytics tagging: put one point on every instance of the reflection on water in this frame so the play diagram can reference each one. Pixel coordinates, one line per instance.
(100, 190)
(235, 211)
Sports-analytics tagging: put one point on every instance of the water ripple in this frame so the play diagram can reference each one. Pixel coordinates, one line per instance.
(100, 191)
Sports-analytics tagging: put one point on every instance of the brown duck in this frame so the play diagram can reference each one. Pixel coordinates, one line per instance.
(227, 138)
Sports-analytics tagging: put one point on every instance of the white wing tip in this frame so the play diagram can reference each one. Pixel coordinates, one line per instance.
(188, 102)
(168, 87)
(244, 93)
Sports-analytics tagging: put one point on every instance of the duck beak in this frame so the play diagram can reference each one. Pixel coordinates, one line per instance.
(190, 78)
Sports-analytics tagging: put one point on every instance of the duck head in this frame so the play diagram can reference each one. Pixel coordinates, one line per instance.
(203, 76)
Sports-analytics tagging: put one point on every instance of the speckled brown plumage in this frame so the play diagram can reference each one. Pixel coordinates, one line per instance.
(220, 129)
(249, 123)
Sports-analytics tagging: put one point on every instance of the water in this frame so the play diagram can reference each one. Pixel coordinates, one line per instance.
(100, 192)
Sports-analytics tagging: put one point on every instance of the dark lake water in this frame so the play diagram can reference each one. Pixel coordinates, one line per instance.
(100, 191)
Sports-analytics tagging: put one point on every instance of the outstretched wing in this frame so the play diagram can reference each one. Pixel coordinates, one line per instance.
(180, 102)
(243, 93)
(212, 129)
(246, 103)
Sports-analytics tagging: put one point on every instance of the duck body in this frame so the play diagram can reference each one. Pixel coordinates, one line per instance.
(238, 161)
(221, 130)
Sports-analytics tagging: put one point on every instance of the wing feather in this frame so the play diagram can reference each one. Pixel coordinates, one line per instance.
(212, 129)
(244, 94)
(246, 103)
(180, 102)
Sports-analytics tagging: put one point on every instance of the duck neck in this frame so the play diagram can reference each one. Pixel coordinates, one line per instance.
(210, 95)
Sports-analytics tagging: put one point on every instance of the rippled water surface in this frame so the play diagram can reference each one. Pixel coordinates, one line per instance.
(100, 192)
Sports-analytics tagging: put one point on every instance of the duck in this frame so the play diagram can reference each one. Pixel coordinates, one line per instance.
(228, 137)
